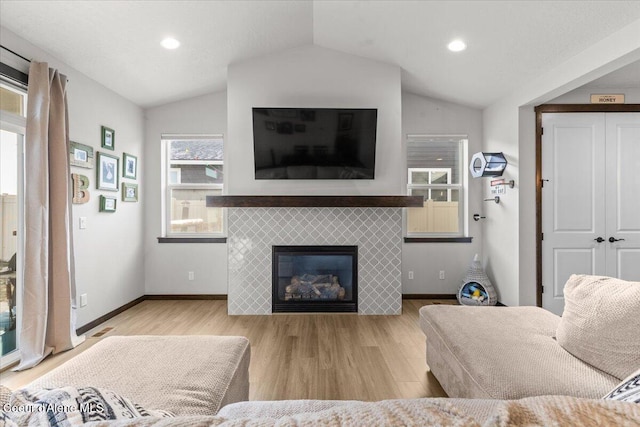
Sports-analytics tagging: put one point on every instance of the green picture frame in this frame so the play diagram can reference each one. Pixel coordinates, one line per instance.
(80, 155)
(129, 192)
(108, 204)
(108, 138)
(107, 172)
(129, 166)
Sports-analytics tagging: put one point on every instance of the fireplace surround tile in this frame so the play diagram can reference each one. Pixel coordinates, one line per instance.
(253, 231)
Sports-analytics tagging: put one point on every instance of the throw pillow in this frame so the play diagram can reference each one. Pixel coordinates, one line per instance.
(600, 323)
(628, 390)
(71, 406)
(5, 393)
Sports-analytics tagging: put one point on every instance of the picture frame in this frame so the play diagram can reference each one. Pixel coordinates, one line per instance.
(108, 139)
(345, 121)
(107, 204)
(107, 172)
(80, 155)
(129, 166)
(308, 115)
(286, 113)
(129, 192)
(284, 127)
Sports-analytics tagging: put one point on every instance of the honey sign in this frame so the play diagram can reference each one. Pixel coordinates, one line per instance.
(607, 99)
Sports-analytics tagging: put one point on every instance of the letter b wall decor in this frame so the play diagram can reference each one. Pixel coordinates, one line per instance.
(80, 188)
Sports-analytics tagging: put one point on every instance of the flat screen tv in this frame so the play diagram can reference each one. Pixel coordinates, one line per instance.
(314, 143)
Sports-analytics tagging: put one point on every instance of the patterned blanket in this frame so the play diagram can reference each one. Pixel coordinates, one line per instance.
(70, 406)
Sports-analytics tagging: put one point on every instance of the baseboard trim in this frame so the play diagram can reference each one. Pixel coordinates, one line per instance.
(164, 297)
(429, 296)
(9, 366)
(81, 330)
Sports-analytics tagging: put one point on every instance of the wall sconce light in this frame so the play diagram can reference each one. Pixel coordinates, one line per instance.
(487, 164)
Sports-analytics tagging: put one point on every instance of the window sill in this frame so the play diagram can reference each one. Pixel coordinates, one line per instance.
(438, 239)
(192, 240)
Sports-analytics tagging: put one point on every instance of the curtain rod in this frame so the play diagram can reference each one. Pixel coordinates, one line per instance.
(15, 53)
(11, 73)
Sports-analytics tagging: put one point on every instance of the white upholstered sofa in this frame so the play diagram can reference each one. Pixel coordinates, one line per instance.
(515, 352)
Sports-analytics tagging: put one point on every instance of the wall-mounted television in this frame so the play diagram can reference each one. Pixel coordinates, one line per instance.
(314, 143)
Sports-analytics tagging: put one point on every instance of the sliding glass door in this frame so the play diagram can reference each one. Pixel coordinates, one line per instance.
(12, 129)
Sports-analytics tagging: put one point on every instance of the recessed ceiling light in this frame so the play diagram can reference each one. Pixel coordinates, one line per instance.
(170, 43)
(439, 159)
(457, 46)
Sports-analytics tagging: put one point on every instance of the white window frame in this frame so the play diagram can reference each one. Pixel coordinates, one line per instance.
(17, 124)
(167, 169)
(463, 201)
(429, 186)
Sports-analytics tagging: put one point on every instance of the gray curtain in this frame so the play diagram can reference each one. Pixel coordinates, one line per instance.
(48, 314)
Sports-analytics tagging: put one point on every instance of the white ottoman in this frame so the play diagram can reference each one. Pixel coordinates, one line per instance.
(187, 375)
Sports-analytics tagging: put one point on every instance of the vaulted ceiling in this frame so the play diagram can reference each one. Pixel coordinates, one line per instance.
(509, 42)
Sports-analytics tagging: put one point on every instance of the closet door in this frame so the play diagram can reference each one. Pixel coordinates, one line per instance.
(623, 195)
(573, 201)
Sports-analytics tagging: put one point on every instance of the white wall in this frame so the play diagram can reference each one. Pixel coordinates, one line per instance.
(500, 230)
(109, 252)
(421, 115)
(582, 95)
(167, 264)
(509, 246)
(313, 76)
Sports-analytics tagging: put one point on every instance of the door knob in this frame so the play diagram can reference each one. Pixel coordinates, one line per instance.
(613, 239)
(600, 239)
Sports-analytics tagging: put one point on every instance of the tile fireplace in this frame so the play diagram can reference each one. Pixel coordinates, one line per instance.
(254, 231)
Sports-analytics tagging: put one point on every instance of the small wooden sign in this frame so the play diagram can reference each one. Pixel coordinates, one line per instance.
(607, 98)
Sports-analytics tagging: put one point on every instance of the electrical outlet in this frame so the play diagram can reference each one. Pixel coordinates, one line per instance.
(83, 222)
(441, 274)
(191, 275)
(411, 275)
(83, 300)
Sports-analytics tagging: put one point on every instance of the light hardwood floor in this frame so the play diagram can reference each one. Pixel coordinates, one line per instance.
(297, 356)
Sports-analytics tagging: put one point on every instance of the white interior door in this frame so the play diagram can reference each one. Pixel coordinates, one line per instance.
(623, 195)
(591, 201)
(573, 196)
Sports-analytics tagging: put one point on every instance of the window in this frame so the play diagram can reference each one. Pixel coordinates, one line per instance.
(193, 170)
(13, 100)
(435, 171)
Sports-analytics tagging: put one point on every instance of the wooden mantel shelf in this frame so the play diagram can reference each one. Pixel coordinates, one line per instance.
(314, 201)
